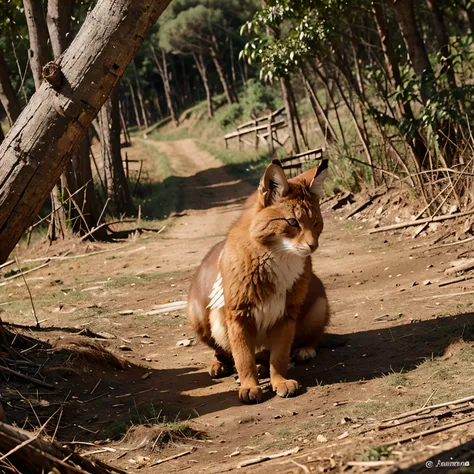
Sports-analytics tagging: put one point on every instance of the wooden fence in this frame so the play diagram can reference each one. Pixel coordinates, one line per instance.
(264, 129)
(294, 164)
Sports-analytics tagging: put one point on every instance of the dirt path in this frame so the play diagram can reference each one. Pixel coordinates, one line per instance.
(210, 198)
(394, 342)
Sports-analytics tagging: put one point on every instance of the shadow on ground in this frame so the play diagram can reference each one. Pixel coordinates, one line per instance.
(371, 354)
(211, 188)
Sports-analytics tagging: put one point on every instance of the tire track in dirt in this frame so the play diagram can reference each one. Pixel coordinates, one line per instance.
(210, 198)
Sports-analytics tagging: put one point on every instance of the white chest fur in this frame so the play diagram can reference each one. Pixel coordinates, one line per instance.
(284, 270)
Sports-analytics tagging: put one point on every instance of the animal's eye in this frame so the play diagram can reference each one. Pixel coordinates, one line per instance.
(316, 224)
(293, 222)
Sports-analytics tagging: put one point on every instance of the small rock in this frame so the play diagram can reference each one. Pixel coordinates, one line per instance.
(345, 420)
(106, 335)
(126, 312)
(125, 348)
(427, 282)
(321, 439)
(414, 283)
(184, 343)
(356, 315)
(145, 376)
(343, 435)
(277, 417)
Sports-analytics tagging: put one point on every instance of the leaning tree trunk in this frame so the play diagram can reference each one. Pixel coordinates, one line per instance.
(285, 92)
(57, 118)
(201, 66)
(322, 118)
(8, 98)
(163, 72)
(77, 185)
(115, 181)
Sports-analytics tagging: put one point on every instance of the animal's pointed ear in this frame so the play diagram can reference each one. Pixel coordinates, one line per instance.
(316, 186)
(314, 178)
(273, 185)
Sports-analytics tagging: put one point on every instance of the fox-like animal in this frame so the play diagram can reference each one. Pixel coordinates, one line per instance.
(255, 291)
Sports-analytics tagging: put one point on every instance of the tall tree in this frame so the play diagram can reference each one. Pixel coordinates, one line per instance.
(115, 180)
(38, 35)
(58, 117)
(405, 14)
(162, 67)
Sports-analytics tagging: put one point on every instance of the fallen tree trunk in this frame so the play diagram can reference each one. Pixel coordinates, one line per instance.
(39, 145)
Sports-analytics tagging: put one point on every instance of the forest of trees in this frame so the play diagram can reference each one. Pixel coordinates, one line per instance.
(389, 83)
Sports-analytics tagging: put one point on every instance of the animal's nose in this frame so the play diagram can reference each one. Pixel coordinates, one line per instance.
(313, 246)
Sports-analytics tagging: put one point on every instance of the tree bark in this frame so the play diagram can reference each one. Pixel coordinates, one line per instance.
(115, 180)
(57, 120)
(442, 41)
(59, 25)
(285, 92)
(405, 14)
(163, 72)
(38, 35)
(201, 66)
(8, 98)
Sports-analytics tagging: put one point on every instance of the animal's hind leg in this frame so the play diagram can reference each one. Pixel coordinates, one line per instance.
(311, 323)
(222, 365)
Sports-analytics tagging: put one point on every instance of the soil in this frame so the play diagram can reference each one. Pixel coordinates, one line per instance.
(395, 342)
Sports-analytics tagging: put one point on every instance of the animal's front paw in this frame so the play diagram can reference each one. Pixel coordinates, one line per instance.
(219, 369)
(286, 388)
(250, 394)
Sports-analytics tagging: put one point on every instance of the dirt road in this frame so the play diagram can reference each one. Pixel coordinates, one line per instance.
(390, 347)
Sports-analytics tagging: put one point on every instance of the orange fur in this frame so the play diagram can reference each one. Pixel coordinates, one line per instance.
(256, 292)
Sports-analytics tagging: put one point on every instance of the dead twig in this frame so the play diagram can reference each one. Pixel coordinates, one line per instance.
(428, 432)
(170, 458)
(455, 280)
(21, 273)
(29, 293)
(370, 463)
(420, 221)
(268, 457)
(95, 229)
(6, 264)
(26, 377)
(460, 268)
(431, 407)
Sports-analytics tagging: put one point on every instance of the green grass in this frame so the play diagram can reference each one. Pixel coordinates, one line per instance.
(378, 453)
(158, 199)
